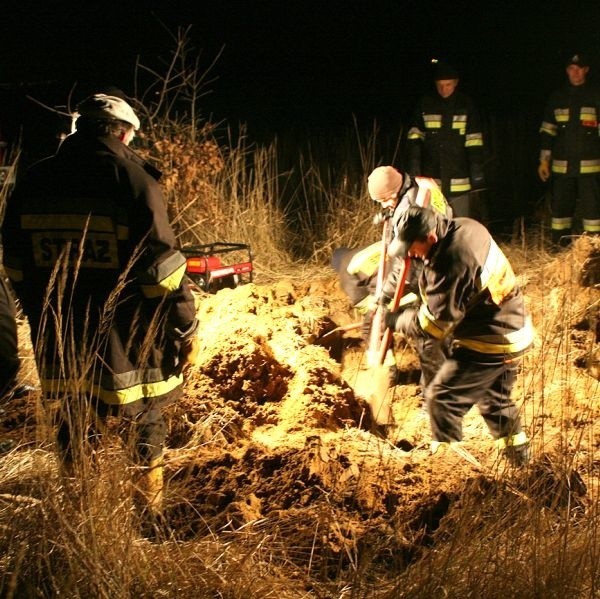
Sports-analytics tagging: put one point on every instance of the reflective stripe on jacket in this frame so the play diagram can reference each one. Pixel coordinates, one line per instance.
(92, 256)
(570, 133)
(445, 141)
(469, 291)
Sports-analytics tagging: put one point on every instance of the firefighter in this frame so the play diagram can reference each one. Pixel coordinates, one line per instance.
(473, 305)
(92, 257)
(570, 152)
(445, 142)
(395, 191)
(9, 354)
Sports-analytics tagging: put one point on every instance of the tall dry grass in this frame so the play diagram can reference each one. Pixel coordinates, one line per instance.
(78, 537)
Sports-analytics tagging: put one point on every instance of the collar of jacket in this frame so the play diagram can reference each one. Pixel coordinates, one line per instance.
(407, 183)
(443, 230)
(76, 141)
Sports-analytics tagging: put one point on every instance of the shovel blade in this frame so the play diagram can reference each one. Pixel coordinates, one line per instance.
(373, 385)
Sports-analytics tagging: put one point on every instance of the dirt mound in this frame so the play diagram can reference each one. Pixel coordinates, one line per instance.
(270, 434)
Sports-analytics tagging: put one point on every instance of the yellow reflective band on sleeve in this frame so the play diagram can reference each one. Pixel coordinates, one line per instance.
(415, 133)
(548, 128)
(515, 342)
(497, 274)
(458, 185)
(436, 329)
(438, 201)
(166, 285)
(430, 194)
(473, 140)
(561, 115)
(587, 167)
(366, 261)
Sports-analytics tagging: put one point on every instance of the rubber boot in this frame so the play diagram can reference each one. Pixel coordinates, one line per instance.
(562, 238)
(518, 456)
(149, 497)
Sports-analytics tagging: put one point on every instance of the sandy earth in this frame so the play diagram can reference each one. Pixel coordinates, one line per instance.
(271, 434)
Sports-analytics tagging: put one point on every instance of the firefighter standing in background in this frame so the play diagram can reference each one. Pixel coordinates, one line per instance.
(570, 152)
(91, 255)
(473, 305)
(445, 142)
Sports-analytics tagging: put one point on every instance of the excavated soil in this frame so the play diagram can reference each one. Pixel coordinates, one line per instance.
(271, 435)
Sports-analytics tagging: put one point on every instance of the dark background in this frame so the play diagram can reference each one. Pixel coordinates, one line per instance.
(304, 66)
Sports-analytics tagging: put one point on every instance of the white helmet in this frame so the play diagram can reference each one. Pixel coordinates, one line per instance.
(101, 106)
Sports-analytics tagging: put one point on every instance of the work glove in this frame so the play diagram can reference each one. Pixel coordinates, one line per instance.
(190, 351)
(477, 177)
(368, 316)
(401, 321)
(189, 343)
(544, 170)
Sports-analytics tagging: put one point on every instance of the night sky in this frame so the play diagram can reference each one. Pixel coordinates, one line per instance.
(290, 63)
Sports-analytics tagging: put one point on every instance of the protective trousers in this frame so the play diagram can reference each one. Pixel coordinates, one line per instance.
(80, 424)
(431, 359)
(565, 193)
(468, 378)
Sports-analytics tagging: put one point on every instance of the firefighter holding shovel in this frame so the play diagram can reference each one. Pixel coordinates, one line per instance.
(474, 307)
(376, 279)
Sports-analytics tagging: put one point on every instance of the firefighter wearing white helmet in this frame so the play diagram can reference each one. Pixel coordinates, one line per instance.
(115, 329)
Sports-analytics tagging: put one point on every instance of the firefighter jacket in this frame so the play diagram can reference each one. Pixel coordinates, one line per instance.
(469, 294)
(91, 255)
(445, 142)
(570, 131)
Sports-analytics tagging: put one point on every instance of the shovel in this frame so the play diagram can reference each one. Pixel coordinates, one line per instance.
(373, 383)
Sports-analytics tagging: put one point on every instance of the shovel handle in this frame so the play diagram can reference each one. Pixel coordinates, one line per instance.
(395, 303)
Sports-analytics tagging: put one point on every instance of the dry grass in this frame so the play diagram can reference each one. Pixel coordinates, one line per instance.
(79, 537)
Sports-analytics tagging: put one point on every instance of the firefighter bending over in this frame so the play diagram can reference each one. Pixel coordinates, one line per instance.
(471, 303)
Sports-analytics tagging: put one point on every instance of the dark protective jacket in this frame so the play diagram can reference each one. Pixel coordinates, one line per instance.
(445, 142)
(91, 256)
(470, 295)
(570, 131)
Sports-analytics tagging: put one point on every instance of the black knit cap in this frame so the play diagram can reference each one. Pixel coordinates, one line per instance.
(414, 225)
(443, 70)
(578, 59)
